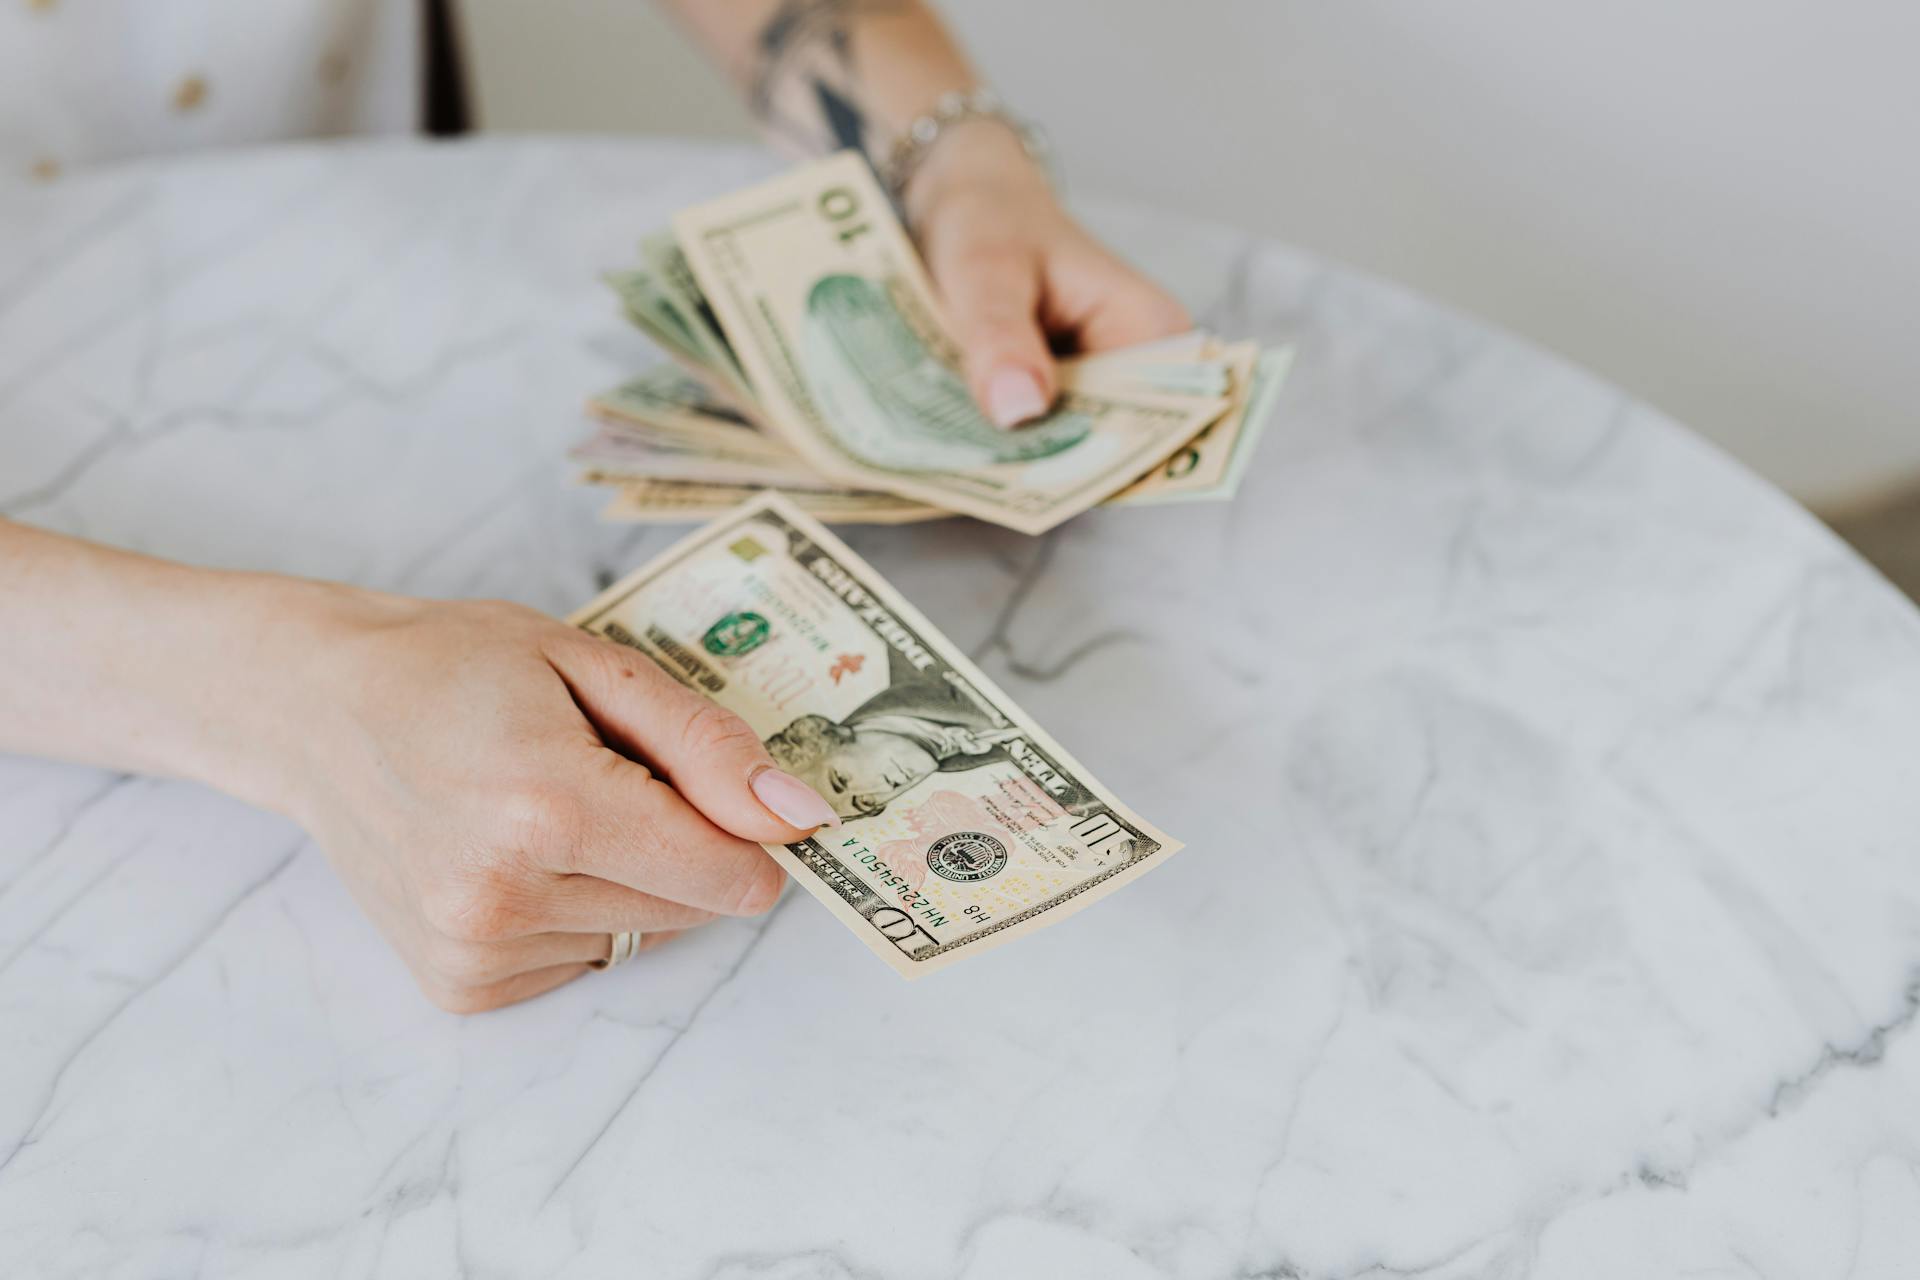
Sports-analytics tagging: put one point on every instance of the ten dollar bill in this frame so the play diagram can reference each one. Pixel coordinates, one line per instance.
(964, 824)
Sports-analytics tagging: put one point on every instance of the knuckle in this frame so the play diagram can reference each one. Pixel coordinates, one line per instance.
(1170, 313)
(472, 908)
(461, 1000)
(668, 844)
(757, 888)
(994, 255)
(540, 814)
(460, 965)
(712, 730)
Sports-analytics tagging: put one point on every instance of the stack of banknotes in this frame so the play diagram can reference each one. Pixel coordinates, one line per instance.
(809, 354)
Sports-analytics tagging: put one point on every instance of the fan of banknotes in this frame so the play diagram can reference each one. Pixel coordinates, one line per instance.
(809, 354)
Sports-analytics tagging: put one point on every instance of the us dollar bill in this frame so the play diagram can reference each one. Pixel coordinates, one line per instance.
(963, 823)
(663, 425)
(674, 279)
(652, 310)
(619, 454)
(1208, 376)
(1200, 464)
(1269, 376)
(666, 424)
(649, 310)
(835, 325)
(665, 399)
(656, 501)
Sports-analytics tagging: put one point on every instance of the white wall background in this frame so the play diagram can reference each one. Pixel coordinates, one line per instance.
(1715, 203)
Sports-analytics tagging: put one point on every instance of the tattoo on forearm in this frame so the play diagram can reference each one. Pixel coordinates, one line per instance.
(806, 88)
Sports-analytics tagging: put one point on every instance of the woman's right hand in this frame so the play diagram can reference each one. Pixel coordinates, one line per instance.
(475, 772)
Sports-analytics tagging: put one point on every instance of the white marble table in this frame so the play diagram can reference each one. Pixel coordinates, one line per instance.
(1551, 908)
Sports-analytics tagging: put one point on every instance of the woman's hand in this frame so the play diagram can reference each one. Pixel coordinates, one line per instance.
(472, 771)
(1018, 275)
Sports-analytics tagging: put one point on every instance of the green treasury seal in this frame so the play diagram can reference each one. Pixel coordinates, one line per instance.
(735, 634)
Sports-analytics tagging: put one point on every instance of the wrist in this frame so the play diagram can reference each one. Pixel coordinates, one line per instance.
(269, 684)
(983, 154)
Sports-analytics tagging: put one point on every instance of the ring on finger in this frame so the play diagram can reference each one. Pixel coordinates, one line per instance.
(621, 947)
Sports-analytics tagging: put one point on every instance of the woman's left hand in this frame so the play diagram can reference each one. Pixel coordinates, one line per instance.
(1018, 275)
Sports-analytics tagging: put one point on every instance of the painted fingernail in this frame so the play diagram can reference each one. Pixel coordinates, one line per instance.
(792, 801)
(1013, 397)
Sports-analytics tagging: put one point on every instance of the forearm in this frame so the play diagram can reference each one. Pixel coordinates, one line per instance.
(823, 75)
(134, 663)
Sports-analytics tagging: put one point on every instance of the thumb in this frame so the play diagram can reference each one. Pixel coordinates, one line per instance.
(993, 301)
(708, 754)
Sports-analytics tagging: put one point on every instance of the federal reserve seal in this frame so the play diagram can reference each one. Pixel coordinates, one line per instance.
(965, 856)
(735, 634)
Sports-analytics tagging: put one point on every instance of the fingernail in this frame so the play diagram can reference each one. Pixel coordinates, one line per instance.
(792, 801)
(1013, 397)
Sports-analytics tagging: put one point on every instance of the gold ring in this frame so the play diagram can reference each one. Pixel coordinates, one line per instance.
(621, 947)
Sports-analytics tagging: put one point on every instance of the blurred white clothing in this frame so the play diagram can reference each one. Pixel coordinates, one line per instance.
(87, 81)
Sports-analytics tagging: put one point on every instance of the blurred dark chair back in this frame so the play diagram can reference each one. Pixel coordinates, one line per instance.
(446, 108)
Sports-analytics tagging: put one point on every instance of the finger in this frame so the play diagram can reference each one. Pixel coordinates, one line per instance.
(708, 754)
(1108, 304)
(511, 990)
(637, 831)
(474, 966)
(571, 903)
(648, 941)
(993, 303)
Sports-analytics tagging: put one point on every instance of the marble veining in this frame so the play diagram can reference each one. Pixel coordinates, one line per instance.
(1551, 907)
